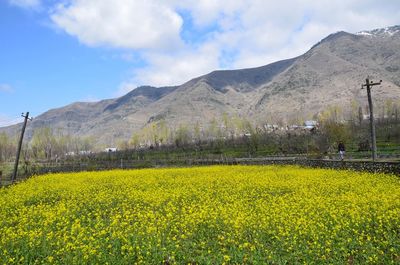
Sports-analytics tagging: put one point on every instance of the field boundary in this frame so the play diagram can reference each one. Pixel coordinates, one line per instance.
(368, 166)
(365, 165)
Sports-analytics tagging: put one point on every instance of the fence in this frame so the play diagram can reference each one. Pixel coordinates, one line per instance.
(43, 168)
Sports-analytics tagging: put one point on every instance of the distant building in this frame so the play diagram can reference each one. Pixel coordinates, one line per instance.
(111, 149)
(84, 152)
(271, 127)
(310, 125)
(376, 117)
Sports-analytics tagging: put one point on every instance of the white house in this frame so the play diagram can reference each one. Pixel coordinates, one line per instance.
(110, 149)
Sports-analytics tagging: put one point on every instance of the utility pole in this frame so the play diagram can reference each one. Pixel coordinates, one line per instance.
(14, 177)
(369, 84)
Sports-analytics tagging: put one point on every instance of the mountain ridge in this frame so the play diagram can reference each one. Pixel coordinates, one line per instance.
(330, 73)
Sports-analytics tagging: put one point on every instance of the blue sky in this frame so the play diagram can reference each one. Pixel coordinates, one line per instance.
(53, 53)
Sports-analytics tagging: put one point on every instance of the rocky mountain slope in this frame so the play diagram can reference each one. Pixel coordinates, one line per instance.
(329, 74)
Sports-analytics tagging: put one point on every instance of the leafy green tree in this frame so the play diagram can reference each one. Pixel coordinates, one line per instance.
(229, 127)
(7, 147)
(197, 132)
(213, 131)
(336, 132)
(182, 136)
(43, 143)
(162, 131)
(135, 140)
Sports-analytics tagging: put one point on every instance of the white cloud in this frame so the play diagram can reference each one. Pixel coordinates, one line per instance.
(25, 3)
(178, 67)
(6, 88)
(140, 24)
(205, 12)
(235, 33)
(260, 32)
(266, 31)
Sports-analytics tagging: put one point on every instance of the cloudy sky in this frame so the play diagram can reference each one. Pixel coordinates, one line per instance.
(55, 52)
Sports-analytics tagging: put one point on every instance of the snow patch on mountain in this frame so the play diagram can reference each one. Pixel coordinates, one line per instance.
(383, 32)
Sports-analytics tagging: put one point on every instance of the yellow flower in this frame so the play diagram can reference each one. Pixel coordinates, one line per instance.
(200, 214)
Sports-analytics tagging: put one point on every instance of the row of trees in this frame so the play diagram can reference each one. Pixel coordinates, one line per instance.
(159, 133)
(334, 125)
(45, 144)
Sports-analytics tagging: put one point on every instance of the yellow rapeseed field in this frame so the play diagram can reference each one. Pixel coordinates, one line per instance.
(202, 215)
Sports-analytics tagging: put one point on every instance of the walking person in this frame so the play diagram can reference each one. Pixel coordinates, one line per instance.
(341, 150)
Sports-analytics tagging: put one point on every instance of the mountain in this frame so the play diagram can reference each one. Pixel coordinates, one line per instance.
(329, 74)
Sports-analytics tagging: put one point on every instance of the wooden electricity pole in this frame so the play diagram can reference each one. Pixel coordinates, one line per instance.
(14, 177)
(369, 84)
